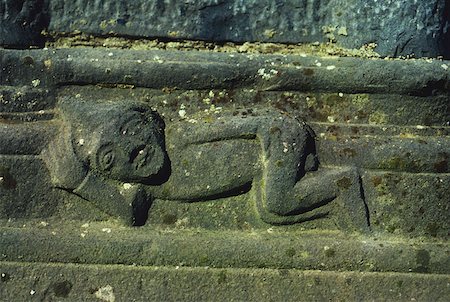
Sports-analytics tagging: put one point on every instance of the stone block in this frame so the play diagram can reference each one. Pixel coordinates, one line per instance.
(398, 28)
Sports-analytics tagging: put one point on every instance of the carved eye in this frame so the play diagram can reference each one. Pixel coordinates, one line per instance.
(106, 159)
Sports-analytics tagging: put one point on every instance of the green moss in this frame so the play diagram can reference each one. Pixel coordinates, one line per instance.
(391, 228)
(203, 260)
(333, 100)
(377, 180)
(378, 117)
(169, 219)
(103, 25)
(290, 252)
(360, 101)
(383, 189)
(397, 163)
(304, 254)
(344, 183)
(279, 163)
(166, 190)
(330, 252)
(222, 277)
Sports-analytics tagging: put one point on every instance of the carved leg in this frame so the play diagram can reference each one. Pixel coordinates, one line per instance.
(284, 146)
(340, 185)
(283, 199)
(310, 197)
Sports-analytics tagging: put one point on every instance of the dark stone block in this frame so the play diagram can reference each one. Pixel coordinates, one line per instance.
(399, 27)
(21, 22)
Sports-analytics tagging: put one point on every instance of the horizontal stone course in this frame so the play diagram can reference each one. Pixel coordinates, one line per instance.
(199, 70)
(29, 281)
(400, 27)
(106, 243)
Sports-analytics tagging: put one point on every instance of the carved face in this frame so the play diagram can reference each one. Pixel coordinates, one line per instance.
(131, 147)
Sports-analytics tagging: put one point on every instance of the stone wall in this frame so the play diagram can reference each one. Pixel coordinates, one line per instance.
(138, 165)
(397, 27)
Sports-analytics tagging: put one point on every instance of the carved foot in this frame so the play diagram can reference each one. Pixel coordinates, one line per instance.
(350, 210)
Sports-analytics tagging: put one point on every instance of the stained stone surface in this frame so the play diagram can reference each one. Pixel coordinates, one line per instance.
(56, 282)
(171, 245)
(361, 118)
(273, 177)
(399, 28)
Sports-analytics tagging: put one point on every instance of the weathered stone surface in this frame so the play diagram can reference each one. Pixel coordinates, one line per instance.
(361, 143)
(402, 105)
(21, 22)
(120, 156)
(400, 27)
(200, 71)
(26, 281)
(409, 203)
(172, 245)
(24, 189)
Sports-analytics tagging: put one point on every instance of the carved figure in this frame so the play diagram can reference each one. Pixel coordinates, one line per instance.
(103, 150)
(120, 156)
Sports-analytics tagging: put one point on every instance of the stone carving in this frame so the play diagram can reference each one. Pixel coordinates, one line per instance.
(102, 149)
(120, 156)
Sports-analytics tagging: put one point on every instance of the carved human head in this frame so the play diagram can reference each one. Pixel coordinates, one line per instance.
(120, 140)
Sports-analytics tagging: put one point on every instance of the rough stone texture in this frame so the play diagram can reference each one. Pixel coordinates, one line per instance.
(56, 282)
(384, 120)
(193, 70)
(21, 22)
(173, 244)
(399, 204)
(400, 27)
(390, 116)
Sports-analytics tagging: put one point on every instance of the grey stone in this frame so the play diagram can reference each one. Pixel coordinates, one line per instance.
(274, 176)
(399, 28)
(21, 22)
(271, 248)
(112, 153)
(189, 70)
(407, 203)
(123, 283)
(231, 127)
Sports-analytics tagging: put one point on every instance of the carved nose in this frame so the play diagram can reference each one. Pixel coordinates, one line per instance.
(136, 152)
(143, 156)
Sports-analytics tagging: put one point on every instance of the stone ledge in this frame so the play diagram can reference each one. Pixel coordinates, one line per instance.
(103, 243)
(202, 70)
(49, 282)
